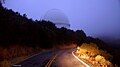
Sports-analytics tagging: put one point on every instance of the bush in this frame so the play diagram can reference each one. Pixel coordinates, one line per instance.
(100, 59)
(5, 63)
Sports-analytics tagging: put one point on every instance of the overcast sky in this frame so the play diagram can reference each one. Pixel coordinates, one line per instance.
(95, 17)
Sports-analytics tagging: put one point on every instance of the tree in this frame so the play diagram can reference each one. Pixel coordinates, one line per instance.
(80, 36)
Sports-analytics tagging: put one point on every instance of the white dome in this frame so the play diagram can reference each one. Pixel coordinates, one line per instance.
(58, 17)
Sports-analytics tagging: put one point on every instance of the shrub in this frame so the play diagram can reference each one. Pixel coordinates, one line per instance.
(5, 63)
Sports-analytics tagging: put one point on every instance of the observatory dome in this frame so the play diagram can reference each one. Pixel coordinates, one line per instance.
(57, 17)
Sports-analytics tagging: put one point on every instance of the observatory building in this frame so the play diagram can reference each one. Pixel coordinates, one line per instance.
(57, 17)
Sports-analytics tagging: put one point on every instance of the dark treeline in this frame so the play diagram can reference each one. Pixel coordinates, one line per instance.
(18, 29)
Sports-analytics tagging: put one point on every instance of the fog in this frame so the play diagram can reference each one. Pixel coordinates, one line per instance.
(95, 17)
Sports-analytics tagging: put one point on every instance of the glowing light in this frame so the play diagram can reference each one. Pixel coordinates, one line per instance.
(78, 48)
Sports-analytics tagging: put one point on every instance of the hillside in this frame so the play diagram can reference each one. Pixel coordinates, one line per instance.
(19, 32)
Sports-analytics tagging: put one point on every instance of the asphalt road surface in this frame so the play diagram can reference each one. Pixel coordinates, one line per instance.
(57, 58)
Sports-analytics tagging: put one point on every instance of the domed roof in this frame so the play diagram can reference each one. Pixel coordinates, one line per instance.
(56, 16)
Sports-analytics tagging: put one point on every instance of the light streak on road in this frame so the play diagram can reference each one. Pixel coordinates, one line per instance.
(50, 62)
(80, 60)
(17, 66)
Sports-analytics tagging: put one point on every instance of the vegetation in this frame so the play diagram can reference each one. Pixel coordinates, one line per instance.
(15, 53)
(19, 32)
(21, 37)
(94, 55)
(18, 29)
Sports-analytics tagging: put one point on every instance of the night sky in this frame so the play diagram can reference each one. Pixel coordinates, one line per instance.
(95, 17)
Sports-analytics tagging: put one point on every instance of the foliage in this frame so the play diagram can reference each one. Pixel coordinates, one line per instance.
(103, 62)
(90, 49)
(92, 53)
(5, 63)
(8, 54)
(93, 50)
(18, 29)
(100, 59)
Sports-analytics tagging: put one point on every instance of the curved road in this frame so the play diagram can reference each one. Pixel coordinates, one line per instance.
(57, 58)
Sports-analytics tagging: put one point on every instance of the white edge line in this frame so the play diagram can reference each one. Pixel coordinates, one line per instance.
(16, 65)
(80, 60)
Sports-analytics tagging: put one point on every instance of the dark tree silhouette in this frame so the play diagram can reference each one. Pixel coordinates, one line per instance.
(18, 29)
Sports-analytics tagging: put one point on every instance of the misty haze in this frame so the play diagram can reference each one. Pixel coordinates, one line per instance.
(59, 33)
(95, 17)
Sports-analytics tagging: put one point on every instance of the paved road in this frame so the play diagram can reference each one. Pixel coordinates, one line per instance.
(64, 58)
